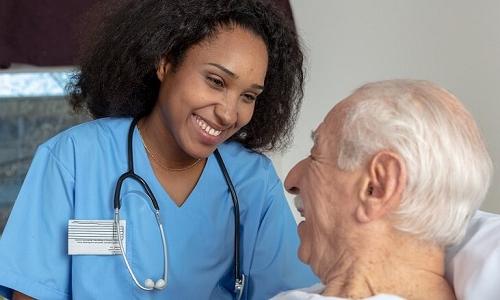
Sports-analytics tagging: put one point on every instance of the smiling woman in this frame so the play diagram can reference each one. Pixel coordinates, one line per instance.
(201, 103)
(185, 95)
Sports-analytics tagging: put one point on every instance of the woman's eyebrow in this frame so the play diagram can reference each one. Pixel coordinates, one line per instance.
(230, 73)
(225, 70)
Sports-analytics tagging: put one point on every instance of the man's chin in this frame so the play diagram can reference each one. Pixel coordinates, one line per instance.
(303, 255)
(304, 251)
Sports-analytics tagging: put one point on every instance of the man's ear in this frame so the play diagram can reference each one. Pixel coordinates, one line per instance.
(164, 66)
(382, 187)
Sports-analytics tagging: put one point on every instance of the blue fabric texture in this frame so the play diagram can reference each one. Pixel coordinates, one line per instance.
(73, 176)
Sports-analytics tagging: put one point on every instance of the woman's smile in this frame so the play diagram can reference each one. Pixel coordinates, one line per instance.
(208, 133)
(206, 127)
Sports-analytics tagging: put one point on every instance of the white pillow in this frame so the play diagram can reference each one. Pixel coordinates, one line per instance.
(473, 266)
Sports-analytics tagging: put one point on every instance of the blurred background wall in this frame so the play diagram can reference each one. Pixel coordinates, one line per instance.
(29, 114)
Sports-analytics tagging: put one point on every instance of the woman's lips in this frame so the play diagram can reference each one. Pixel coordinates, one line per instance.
(207, 128)
(207, 133)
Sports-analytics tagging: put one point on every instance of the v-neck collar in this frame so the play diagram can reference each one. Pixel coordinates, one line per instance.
(143, 167)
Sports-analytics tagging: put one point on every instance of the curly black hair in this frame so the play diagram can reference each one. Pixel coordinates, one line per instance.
(118, 68)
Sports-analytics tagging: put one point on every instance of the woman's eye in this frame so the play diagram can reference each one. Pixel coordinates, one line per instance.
(216, 82)
(250, 97)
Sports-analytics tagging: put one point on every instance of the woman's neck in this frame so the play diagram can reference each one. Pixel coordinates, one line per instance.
(161, 145)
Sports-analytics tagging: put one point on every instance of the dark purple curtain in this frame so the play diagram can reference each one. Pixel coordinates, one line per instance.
(45, 32)
(40, 32)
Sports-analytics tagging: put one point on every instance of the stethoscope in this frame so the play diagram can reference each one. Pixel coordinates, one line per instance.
(150, 284)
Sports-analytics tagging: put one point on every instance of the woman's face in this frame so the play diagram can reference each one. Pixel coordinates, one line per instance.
(211, 94)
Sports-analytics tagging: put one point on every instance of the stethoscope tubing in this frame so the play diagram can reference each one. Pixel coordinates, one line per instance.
(236, 210)
(238, 275)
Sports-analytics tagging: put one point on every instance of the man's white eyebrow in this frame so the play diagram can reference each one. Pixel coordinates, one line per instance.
(313, 135)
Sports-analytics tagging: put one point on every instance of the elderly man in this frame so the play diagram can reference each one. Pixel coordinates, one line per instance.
(396, 171)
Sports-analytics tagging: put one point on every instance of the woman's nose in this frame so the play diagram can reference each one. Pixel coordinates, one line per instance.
(227, 110)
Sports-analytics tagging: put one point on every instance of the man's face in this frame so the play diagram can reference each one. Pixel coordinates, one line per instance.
(329, 195)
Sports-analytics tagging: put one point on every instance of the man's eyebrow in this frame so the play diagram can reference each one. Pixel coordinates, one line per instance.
(313, 135)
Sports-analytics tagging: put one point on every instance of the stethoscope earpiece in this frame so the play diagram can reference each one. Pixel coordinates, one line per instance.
(160, 284)
(149, 283)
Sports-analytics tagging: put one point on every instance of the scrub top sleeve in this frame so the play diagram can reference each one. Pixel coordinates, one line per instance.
(275, 266)
(33, 247)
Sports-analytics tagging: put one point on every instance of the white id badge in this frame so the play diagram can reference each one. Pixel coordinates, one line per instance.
(95, 237)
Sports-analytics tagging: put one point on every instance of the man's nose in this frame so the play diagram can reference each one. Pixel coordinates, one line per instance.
(292, 180)
(227, 110)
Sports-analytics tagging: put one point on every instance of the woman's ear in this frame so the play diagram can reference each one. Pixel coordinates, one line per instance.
(383, 186)
(162, 69)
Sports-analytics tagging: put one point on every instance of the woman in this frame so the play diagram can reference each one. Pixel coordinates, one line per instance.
(170, 83)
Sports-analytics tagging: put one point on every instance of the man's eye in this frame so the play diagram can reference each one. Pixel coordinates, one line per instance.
(216, 82)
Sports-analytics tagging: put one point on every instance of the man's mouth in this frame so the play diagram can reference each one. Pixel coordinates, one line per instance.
(207, 128)
(299, 205)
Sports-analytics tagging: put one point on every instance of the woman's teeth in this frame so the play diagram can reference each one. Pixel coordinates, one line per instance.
(209, 130)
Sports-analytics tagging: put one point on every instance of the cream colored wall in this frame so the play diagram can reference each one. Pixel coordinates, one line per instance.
(453, 43)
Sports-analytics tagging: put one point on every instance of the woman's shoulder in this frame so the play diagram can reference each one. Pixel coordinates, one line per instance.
(236, 154)
(86, 141)
(85, 144)
(243, 164)
(89, 133)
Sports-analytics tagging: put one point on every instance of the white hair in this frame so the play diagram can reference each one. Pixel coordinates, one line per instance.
(448, 166)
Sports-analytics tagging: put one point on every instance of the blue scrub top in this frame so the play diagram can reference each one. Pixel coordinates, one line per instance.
(73, 176)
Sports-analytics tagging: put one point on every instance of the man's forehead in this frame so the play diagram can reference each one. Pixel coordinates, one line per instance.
(328, 130)
(323, 133)
(335, 117)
